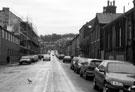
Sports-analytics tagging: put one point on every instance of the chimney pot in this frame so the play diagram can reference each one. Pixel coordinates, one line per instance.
(111, 3)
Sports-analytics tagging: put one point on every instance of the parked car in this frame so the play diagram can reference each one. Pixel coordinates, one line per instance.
(34, 58)
(67, 59)
(72, 64)
(113, 75)
(78, 64)
(25, 59)
(46, 57)
(61, 56)
(88, 67)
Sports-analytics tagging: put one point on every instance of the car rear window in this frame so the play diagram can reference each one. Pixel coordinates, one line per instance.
(121, 68)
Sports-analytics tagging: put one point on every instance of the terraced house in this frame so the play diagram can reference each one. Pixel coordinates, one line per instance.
(109, 14)
(119, 38)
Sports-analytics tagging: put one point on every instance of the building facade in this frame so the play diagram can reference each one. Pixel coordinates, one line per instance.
(9, 46)
(22, 29)
(96, 33)
(119, 38)
(17, 29)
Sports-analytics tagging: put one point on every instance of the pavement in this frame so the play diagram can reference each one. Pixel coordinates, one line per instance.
(8, 65)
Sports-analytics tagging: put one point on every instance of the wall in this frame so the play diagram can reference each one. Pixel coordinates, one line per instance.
(9, 46)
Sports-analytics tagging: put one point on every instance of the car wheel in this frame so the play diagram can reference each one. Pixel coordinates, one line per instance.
(105, 88)
(94, 84)
(85, 76)
(77, 71)
(80, 74)
(74, 69)
(71, 67)
(20, 63)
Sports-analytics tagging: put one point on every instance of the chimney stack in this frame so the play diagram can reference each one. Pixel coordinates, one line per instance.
(113, 2)
(5, 9)
(110, 8)
(104, 9)
(108, 2)
(134, 3)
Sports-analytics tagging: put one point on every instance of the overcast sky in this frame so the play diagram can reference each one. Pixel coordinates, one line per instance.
(60, 16)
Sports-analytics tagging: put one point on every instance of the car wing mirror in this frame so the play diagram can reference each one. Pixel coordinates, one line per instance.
(102, 70)
(82, 63)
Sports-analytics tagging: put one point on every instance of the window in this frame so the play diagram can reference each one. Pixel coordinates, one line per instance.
(6, 35)
(121, 68)
(3, 33)
(9, 36)
(120, 37)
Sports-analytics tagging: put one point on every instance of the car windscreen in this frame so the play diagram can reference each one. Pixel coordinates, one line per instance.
(121, 68)
(25, 57)
(95, 63)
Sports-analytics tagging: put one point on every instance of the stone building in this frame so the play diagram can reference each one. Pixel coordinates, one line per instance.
(109, 14)
(9, 46)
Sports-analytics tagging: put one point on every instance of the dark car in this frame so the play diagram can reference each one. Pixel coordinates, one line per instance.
(87, 68)
(78, 64)
(117, 76)
(61, 56)
(67, 59)
(72, 64)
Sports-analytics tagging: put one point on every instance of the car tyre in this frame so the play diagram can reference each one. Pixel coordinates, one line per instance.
(77, 71)
(20, 63)
(95, 84)
(29, 62)
(85, 76)
(81, 74)
(74, 69)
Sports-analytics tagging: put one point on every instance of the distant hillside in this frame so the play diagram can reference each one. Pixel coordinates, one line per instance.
(56, 37)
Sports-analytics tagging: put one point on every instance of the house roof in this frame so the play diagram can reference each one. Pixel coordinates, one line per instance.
(91, 22)
(105, 18)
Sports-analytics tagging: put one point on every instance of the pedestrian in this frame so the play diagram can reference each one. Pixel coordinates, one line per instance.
(8, 59)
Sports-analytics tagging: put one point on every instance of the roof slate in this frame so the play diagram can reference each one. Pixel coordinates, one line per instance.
(104, 18)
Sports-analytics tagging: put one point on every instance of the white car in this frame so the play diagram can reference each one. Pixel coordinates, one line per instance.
(25, 59)
(46, 57)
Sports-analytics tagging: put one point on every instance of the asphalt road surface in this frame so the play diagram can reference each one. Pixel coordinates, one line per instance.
(53, 76)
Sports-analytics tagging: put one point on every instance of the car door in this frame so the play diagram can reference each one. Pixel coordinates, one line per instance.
(84, 67)
(100, 75)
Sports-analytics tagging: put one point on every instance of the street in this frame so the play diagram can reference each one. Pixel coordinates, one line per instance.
(53, 76)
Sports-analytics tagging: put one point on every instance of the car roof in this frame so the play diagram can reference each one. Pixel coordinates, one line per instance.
(67, 56)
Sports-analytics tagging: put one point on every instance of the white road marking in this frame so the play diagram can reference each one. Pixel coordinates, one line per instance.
(46, 81)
